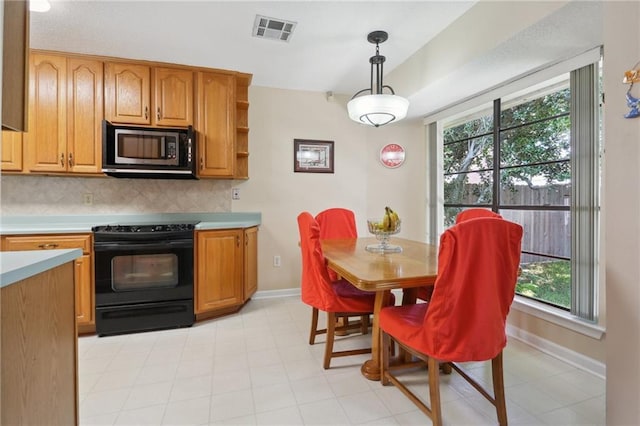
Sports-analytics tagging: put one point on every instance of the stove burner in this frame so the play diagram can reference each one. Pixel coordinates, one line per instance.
(172, 227)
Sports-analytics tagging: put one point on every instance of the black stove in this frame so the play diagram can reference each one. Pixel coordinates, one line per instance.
(143, 276)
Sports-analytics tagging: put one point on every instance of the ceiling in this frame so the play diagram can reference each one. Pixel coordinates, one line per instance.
(328, 50)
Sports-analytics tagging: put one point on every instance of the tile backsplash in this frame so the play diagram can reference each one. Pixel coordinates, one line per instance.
(37, 195)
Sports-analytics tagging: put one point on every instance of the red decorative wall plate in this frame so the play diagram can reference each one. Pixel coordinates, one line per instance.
(392, 155)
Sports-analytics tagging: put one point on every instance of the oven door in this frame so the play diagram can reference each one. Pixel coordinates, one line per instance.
(143, 272)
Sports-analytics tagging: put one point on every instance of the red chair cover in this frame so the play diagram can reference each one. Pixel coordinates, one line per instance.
(475, 213)
(317, 289)
(336, 223)
(465, 318)
(424, 293)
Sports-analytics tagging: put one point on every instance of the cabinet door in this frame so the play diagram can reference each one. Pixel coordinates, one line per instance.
(45, 143)
(219, 264)
(250, 262)
(127, 93)
(173, 97)
(216, 124)
(84, 291)
(11, 151)
(15, 63)
(84, 113)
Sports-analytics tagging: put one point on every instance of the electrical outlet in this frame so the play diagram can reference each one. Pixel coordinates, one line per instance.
(276, 261)
(87, 198)
(235, 193)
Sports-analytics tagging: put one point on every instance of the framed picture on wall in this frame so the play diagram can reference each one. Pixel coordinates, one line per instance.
(310, 156)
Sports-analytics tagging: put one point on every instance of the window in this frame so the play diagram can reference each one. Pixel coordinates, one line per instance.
(533, 157)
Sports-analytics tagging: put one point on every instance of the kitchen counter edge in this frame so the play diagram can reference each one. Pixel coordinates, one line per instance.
(19, 265)
(83, 224)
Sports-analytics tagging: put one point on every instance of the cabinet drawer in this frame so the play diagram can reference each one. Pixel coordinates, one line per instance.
(44, 242)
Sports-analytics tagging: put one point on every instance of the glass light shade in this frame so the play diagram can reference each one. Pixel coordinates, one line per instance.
(377, 110)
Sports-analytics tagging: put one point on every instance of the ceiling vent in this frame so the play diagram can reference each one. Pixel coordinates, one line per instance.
(272, 28)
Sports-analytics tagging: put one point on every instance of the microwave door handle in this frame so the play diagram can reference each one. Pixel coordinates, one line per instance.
(163, 145)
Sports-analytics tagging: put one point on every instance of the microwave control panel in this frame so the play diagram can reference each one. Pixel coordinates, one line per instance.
(171, 149)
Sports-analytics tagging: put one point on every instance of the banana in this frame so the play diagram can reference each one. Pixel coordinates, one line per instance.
(386, 221)
(394, 219)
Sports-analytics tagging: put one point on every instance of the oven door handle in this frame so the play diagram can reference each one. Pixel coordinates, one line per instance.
(122, 246)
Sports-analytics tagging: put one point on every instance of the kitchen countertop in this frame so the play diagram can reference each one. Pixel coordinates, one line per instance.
(11, 225)
(18, 265)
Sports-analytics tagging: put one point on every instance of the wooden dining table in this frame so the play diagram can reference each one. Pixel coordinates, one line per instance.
(415, 266)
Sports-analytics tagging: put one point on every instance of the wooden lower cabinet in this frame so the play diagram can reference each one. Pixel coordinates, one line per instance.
(84, 290)
(250, 262)
(39, 357)
(226, 270)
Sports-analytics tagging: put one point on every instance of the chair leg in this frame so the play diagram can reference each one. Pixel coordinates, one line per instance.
(342, 322)
(434, 391)
(314, 326)
(364, 324)
(498, 389)
(384, 360)
(331, 331)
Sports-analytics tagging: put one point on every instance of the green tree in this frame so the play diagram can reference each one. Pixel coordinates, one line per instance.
(534, 146)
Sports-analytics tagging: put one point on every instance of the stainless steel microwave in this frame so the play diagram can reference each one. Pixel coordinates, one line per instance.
(148, 152)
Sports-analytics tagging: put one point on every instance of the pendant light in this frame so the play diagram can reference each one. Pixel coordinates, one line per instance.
(376, 108)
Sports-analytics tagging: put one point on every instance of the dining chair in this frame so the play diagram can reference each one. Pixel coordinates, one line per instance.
(424, 293)
(337, 222)
(339, 299)
(465, 318)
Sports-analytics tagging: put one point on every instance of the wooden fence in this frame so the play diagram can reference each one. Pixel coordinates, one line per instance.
(545, 231)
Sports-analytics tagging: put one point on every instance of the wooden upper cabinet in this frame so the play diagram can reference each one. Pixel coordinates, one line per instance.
(65, 115)
(216, 124)
(173, 96)
(70, 95)
(84, 115)
(11, 151)
(46, 146)
(127, 93)
(140, 94)
(15, 64)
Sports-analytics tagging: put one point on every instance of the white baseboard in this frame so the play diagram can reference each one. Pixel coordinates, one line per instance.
(576, 359)
(270, 294)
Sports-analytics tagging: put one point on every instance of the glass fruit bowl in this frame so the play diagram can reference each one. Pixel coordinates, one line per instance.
(382, 234)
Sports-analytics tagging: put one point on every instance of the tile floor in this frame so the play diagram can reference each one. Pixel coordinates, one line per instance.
(256, 368)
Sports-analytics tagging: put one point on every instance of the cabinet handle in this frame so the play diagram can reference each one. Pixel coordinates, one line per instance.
(48, 246)
(158, 113)
(70, 159)
(146, 113)
(62, 159)
(201, 163)
(237, 240)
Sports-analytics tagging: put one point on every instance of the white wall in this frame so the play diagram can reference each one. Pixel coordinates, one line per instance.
(360, 183)
(622, 222)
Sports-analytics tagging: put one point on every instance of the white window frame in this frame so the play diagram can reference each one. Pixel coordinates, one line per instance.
(595, 328)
